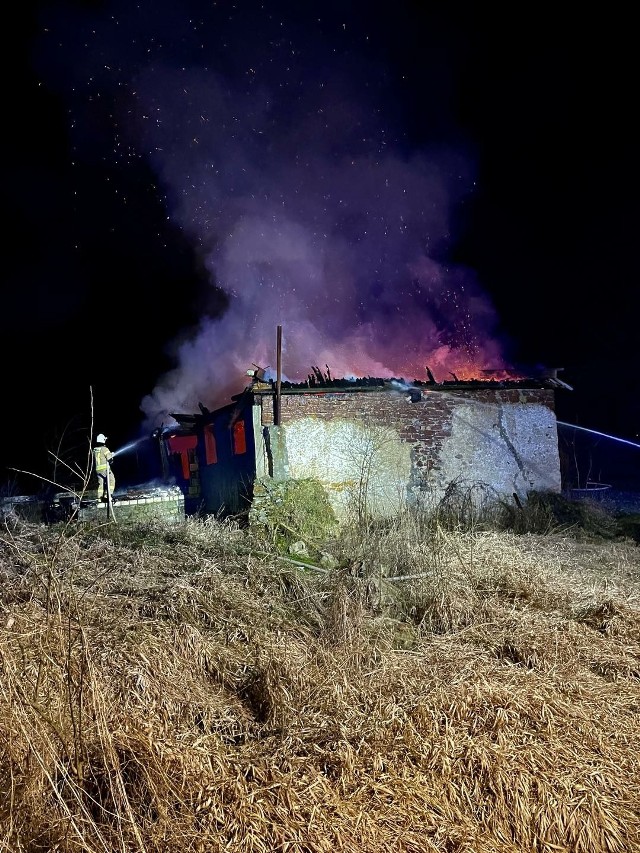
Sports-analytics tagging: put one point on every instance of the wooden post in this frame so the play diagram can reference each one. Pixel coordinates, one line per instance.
(110, 513)
(276, 414)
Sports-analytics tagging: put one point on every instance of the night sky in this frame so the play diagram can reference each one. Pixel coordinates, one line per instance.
(395, 187)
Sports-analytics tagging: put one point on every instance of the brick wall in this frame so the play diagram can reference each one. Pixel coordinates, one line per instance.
(505, 438)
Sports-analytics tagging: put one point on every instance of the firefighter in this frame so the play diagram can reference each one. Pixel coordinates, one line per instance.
(102, 457)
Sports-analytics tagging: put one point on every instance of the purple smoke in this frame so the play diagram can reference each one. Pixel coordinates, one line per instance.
(307, 206)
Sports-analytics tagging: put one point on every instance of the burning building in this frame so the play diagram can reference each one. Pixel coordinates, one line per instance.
(379, 443)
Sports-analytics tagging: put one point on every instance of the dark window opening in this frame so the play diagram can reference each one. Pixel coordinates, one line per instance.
(210, 449)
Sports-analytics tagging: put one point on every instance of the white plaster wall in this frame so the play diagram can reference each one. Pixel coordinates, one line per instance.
(262, 465)
(510, 447)
(363, 467)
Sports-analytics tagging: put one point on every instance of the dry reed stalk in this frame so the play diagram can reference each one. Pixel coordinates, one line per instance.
(163, 697)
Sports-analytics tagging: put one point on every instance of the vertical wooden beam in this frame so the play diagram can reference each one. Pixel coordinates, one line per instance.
(276, 414)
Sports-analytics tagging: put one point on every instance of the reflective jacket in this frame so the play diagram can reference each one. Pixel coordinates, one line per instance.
(102, 456)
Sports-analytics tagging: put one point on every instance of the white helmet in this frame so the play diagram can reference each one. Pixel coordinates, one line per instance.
(101, 438)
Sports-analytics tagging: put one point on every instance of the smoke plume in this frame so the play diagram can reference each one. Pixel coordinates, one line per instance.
(283, 159)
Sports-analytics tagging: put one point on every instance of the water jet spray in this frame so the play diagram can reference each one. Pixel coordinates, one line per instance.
(128, 447)
(602, 434)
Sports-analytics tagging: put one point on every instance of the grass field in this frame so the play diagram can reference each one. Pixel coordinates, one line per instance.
(428, 685)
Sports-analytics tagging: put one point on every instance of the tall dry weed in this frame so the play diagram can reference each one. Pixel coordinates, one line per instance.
(436, 690)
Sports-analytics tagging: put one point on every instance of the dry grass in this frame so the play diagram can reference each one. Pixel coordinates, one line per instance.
(188, 690)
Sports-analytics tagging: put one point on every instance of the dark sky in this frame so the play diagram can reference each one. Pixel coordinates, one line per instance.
(395, 187)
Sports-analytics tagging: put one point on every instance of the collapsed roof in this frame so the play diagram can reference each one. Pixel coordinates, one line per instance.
(319, 381)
